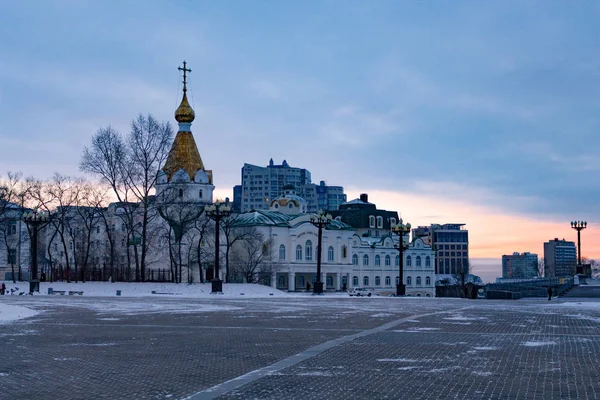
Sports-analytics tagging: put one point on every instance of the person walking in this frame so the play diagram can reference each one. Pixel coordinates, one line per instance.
(2, 289)
(549, 293)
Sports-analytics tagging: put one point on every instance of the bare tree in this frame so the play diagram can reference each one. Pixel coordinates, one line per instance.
(233, 233)
(462, 276)
(253, 256)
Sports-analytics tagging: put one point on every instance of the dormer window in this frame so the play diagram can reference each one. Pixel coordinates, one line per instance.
(371, 221)
(379, 222)
(392, 222)
(200, 193)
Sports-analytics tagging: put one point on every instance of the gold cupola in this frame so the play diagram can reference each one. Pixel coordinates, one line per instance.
(184, 113)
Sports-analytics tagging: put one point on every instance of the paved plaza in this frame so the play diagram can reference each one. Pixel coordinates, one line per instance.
(300, 348)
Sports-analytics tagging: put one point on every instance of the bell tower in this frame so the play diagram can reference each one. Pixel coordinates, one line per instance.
(183, 178)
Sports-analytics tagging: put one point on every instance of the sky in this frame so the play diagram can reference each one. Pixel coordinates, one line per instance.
(484, 113)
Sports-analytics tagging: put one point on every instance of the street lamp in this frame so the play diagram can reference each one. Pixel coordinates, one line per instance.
(579, 226)
(401, 229)
(216, 212)
(320, 220)
(34, 220)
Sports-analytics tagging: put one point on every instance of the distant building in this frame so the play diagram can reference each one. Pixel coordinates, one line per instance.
(560, 258)
(366, 218)
(522, 266)
(260, 185)
(451, 243)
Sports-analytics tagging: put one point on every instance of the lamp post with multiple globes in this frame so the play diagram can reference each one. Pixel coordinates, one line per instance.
(216, 212)
(401, 229)
(579, 226)
(320, 220)
(34, 220)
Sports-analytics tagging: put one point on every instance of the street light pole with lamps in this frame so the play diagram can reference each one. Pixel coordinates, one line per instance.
(34, 220)
(579, 226)
(216, 212)
(401, 229)
(320, 220)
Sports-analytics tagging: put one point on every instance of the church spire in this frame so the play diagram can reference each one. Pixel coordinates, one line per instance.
(184, 113)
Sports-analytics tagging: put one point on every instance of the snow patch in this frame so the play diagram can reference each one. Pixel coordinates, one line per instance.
(12, 313)
(485, 348)
(537, 344)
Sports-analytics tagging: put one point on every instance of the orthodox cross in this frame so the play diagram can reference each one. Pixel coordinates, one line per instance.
(185, 70)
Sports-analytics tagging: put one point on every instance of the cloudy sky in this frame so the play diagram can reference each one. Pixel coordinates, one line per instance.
(485, 113)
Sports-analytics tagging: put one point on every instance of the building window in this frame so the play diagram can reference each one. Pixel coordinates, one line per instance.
(408, 261)
(355, 281)
(282, 281)
(12, 256)
(408, 281)
(397, 280)
(371, 221)
(11, 228)
(427, 261)
(298, 252)
(282, 252)
(330, 253)
(365, 259)
(377, 281)
(366, 281)
(418, 281)
(329, 280)
(388, 281)
(418, 261)
(377, 260)
(379, 222)
(344, 251)
(428, 281)
(354, 260)
(180, 192)
(388, 260)
(392, 222)
(397, 261)
(200, 193)
(97, 228)
(308, 250)
(301, 281)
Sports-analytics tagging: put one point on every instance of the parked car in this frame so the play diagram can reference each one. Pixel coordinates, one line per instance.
(362, 292)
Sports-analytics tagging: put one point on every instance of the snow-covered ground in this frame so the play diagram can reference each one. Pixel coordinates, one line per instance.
(12, 313)
(106, 289)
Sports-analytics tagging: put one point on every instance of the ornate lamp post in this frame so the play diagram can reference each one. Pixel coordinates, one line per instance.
(401, 229)
(320, 220)
(34, 220)
(579, 226)
(216, 212)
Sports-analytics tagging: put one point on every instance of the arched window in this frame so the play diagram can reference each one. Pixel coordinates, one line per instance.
(392, 222)
(418, 261)
(365, 259)
(377, 281)
(354, 259)
(371, 221)
(308, 250)
(329, 280)
(180, 192)
(408, 261)
(428, 281)
(397, 261)
(380, 222)
(330, 253)
(388, 260)
(408, 281)
(366, 281)
(355, 281)
(200, 193)
(388, 281)
(377, 260)
(427, 261)
(397, 280)
(344, 251)
(282, 281)
(418, 281)
(282, 252)
(298, 252)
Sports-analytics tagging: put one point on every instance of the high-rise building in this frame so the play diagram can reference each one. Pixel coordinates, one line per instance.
(451, 243)
(260, 185)
(520, 265)
(560, 258)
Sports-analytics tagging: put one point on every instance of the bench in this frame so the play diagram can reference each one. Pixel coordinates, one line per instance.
(61, 292)
(72, 292)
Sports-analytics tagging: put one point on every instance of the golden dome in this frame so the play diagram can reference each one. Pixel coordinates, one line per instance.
(184, 113)
(183, 155)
